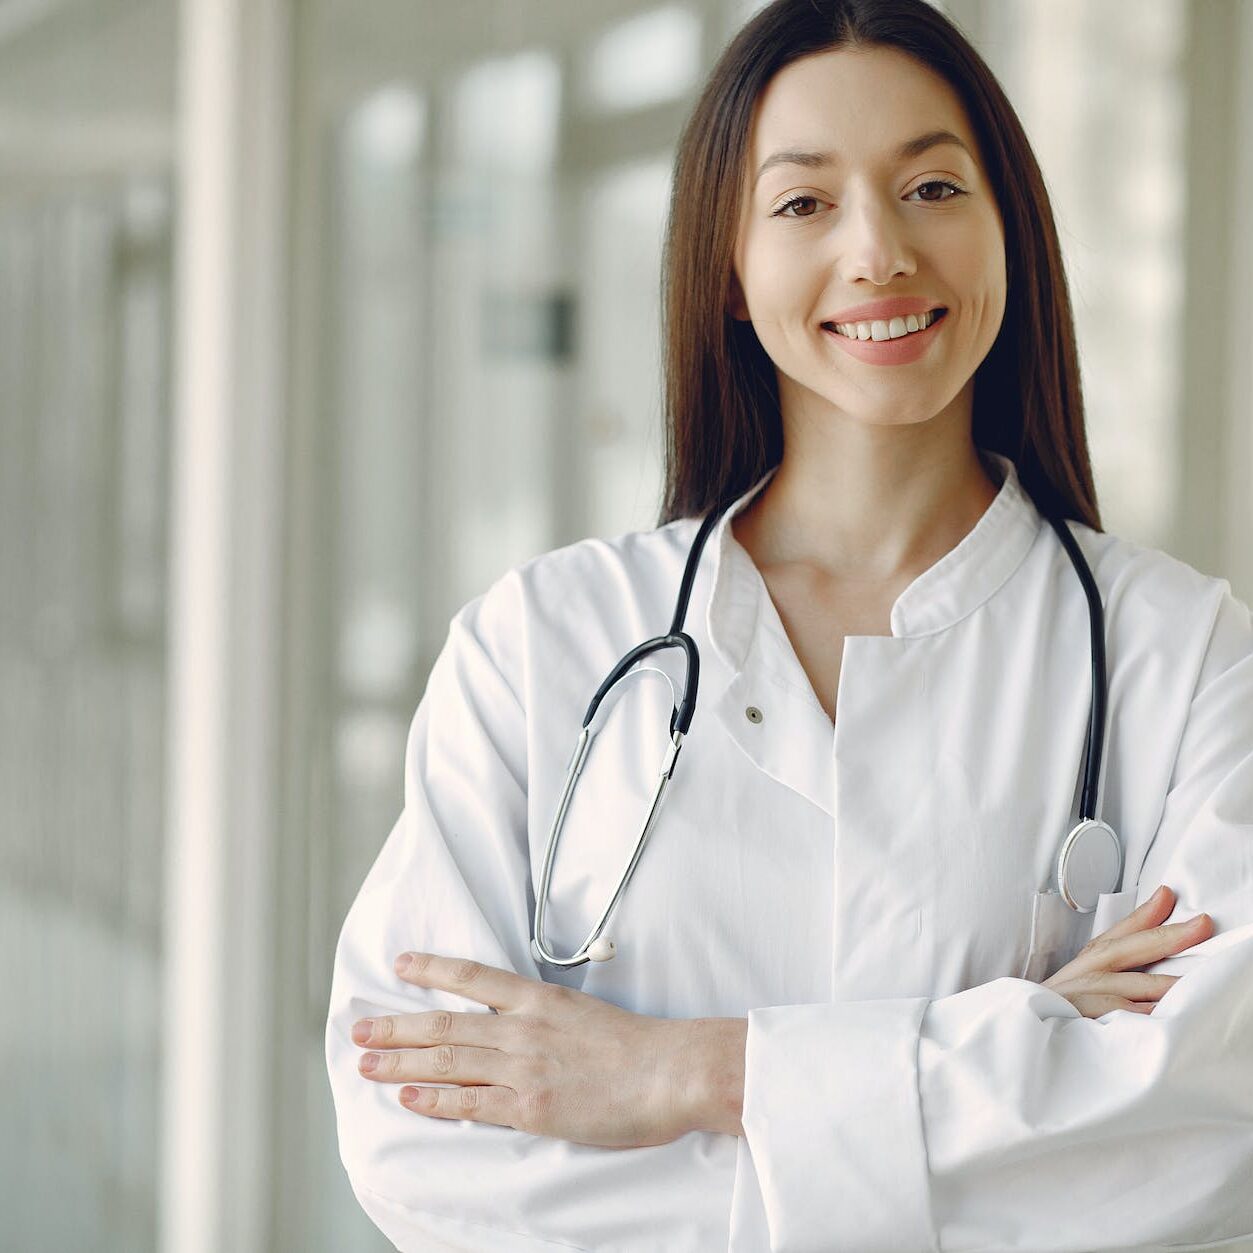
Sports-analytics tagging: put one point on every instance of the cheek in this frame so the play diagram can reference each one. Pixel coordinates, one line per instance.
(975, 268)
(766, 288)
(990, 250)
(778, 280)
(992, 302)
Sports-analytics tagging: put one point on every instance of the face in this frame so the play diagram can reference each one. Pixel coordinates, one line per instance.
(862, 225)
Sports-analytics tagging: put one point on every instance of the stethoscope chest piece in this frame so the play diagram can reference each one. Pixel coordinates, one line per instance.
(1089, 864)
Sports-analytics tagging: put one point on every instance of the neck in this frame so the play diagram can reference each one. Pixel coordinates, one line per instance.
(868, 504)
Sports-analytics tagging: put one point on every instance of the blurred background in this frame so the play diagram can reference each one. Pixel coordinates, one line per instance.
(316, 316)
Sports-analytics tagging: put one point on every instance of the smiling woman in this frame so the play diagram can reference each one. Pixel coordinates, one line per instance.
(820, 1023)
(866, 226)
(946, 214)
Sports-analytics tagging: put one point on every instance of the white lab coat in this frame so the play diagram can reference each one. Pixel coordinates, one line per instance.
(870, 896)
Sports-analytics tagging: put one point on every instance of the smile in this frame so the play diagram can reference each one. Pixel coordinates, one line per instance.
(893, 328)
(891, 342)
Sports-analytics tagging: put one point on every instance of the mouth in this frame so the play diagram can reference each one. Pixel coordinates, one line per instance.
(884, 326)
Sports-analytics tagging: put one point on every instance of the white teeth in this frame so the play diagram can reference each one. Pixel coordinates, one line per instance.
(893, 329)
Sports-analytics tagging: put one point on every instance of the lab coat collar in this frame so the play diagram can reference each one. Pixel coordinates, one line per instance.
(768, 688)
(962, 580)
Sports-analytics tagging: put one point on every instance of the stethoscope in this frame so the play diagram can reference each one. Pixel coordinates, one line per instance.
(1089, 862)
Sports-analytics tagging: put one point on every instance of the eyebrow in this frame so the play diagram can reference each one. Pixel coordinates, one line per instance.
(816, 160)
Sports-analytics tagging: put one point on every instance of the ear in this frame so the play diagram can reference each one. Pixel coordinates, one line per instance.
(737, 306)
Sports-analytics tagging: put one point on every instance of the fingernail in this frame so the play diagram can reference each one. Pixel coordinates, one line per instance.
(403, 962)
(361, 1032)
(369, 1062)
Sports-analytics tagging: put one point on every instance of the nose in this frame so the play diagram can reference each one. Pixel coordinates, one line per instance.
(871, 243)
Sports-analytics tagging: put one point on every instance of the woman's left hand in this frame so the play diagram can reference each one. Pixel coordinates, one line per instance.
(551, 1061)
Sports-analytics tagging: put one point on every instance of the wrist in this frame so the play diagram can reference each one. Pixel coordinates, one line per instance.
(717, 1068)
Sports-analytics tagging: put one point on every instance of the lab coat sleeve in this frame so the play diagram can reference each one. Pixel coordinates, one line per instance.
(1000, 1118)
(453, 877)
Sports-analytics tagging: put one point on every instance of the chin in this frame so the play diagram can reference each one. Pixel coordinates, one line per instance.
(888, 415)
(894, 420)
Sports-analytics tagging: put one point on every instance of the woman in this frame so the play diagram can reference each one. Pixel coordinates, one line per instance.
(847, 1009)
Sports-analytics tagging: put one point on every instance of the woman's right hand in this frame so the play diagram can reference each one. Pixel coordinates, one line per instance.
(1105, 973)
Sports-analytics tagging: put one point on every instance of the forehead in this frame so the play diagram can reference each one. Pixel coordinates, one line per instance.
(860, 103)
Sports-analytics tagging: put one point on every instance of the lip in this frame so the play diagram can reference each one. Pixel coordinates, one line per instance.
(889, 351)
(883, 310)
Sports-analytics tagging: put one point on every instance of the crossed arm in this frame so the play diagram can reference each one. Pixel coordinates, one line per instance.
(879, 1094)
(554, 1061)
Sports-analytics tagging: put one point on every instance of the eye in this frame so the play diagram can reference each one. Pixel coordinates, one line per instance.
(781, 211)
(797, 202)
(941, 182)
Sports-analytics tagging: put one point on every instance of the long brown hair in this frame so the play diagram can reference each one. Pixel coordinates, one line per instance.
(723, 425)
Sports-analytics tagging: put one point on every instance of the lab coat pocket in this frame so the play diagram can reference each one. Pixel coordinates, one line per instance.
(1112, 907)
(1059, 932)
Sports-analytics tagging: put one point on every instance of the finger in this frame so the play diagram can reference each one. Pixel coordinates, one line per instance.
(1161, 941)
(442, 1064)
(1130, 985)
(489, 985)
(1097, 1006)
(477, 1104)
(439, 1026)
(1141, 948)
(1156, 909)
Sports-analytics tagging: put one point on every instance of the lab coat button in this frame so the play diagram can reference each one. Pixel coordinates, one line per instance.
(753, 714)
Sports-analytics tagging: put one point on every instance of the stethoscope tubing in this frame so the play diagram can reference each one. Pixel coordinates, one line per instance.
(1096, 623)
(596, 948)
